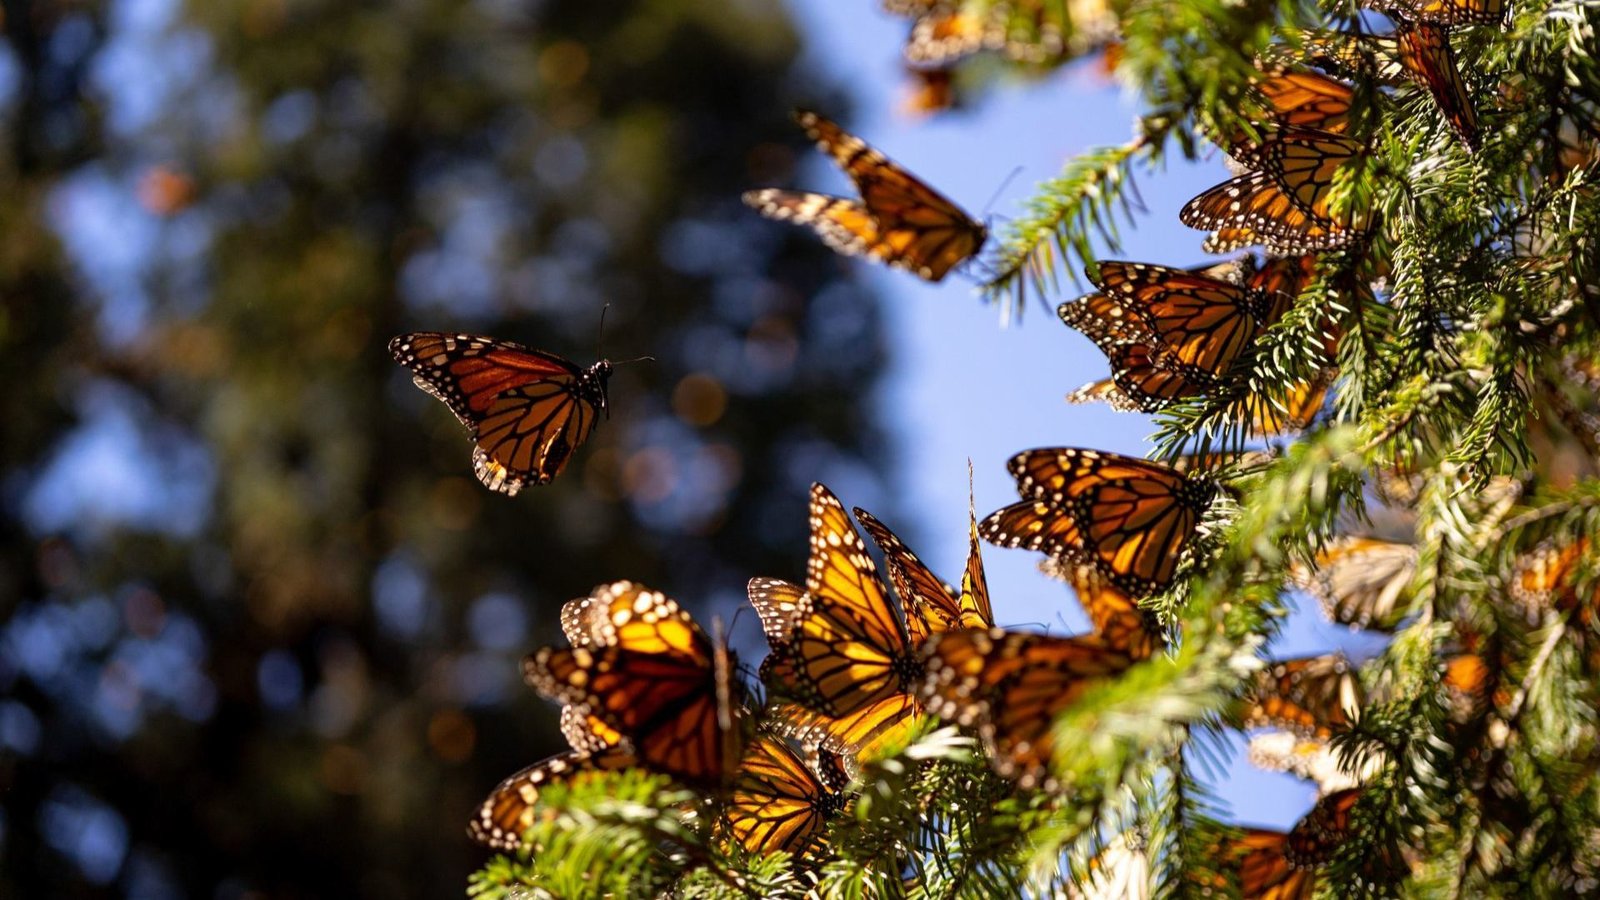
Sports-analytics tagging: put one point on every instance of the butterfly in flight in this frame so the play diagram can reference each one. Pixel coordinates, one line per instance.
(528, 410)
(1129, 518)
(899, 220)
(780, 801)
(648, 674)
(1011, 685)
(840, 649)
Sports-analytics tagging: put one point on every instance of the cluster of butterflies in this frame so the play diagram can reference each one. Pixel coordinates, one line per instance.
(856, 660)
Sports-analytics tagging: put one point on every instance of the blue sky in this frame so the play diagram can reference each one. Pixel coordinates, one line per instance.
(960, 385)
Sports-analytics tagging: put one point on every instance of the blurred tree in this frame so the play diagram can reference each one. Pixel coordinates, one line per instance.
(262, 624)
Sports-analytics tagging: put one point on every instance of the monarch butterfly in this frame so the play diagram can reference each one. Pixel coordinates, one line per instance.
(1448, 12)
(1011, 685)
(512, 807)
(1469, 684)
(528, 410)
(930, 604)
(1263, 870)
(1312, 695)
(1127, 517)
(1426, 57)
(899, 220)
(1117, 621)
(1546, 577)
(1120, 871)
(647, 672)
(1205, 322)
(778, 801)
(839, 648)
(1286, 201)
(940, 37)
(1312, 759)
(1360, 581)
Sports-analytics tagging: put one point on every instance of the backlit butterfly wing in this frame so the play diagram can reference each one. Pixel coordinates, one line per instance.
(1313, 695)
(1117, 620)
(1426, 57)
(1288, 200)
(1304, 99)
(866, 733)
(650, 674)
(976, 609)
(1012, 685)
(777, 801)
(527, 410)
(1360, 581)
(1284, 412)
(899, 220)
(1309, 758)
(1546, 577)
(1131, 518)
(1120, 871)
(844, 648)
(513, 806)
(1205, 322)
(930, 605)
(1318, 834)
(942, 36)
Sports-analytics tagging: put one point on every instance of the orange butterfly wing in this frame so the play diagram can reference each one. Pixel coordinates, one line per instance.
(513, 806)
(1314, 695)
(1206, 323)
(1427, 58)
(778, 802)
(1012, 685)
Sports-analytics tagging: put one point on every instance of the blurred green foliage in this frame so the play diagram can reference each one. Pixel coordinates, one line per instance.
(261, 624)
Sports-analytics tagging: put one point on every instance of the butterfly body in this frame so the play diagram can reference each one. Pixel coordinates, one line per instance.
(527, 410)
(899, 220)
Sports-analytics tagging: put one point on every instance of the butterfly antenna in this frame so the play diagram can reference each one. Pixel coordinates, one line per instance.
(600, 339)
(624, 362)
(724, 689)
(997, 191)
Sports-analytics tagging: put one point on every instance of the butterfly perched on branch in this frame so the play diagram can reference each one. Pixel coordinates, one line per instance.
(1310, 695)
(528, 410)
(899, 220)
(779, 801)
(842, 651)
(647, 672)
(1129, 518)
(512, 807)
(1285, 199)
(1360, 581)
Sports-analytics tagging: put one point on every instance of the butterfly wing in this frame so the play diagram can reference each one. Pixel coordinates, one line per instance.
(1427, 58)
(918, 229)
(1305, 99)
(844, 647)
(1449, 12)
(930, 605)
(527, 409)
(1313, 695)
(650, 674)
(1012, 685)
(778, 802)
(512, 807)
(1117, 620)
(1360, 581)
(1255, 208)
(976, 609)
